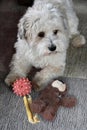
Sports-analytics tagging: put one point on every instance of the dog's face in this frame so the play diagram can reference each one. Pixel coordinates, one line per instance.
(44, 30)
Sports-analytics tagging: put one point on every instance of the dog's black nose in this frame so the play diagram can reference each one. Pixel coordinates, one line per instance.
(52, 48)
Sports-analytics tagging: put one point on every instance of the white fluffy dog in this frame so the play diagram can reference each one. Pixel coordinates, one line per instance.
(44, 33)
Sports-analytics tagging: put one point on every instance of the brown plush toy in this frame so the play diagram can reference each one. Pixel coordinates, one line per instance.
(50, 99)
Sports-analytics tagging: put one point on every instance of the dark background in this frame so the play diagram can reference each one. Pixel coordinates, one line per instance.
(10, 13)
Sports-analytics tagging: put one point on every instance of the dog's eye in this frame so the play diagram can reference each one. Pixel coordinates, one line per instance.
(41, 34)
(55, 32)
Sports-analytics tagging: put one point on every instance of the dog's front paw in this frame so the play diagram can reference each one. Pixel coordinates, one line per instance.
(40, 82)
(10, 79)
(78, 41)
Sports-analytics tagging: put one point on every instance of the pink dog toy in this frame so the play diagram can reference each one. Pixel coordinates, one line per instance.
(22, 87)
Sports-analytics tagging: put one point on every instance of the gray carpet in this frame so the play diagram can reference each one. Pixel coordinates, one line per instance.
(13, 115)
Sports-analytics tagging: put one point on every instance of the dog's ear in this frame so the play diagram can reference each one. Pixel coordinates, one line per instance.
(21, 29)
(24, 28)
(64, 22)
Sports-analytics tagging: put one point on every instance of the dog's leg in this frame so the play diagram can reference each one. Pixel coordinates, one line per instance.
(47, 74)
(19, 68)
(77, 39)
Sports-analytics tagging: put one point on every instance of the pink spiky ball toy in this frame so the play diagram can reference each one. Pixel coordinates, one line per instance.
(22, 87)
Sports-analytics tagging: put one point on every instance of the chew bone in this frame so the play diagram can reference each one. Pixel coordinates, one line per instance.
(32, 118)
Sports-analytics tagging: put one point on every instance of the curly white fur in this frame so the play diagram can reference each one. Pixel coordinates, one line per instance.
(48, 24)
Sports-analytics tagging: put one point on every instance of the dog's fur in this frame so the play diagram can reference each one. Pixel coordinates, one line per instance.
(44, 34)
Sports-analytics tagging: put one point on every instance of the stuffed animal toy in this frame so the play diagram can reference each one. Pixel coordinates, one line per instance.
(50, 99)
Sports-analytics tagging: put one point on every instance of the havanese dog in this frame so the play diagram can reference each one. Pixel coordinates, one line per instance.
(44, 34)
